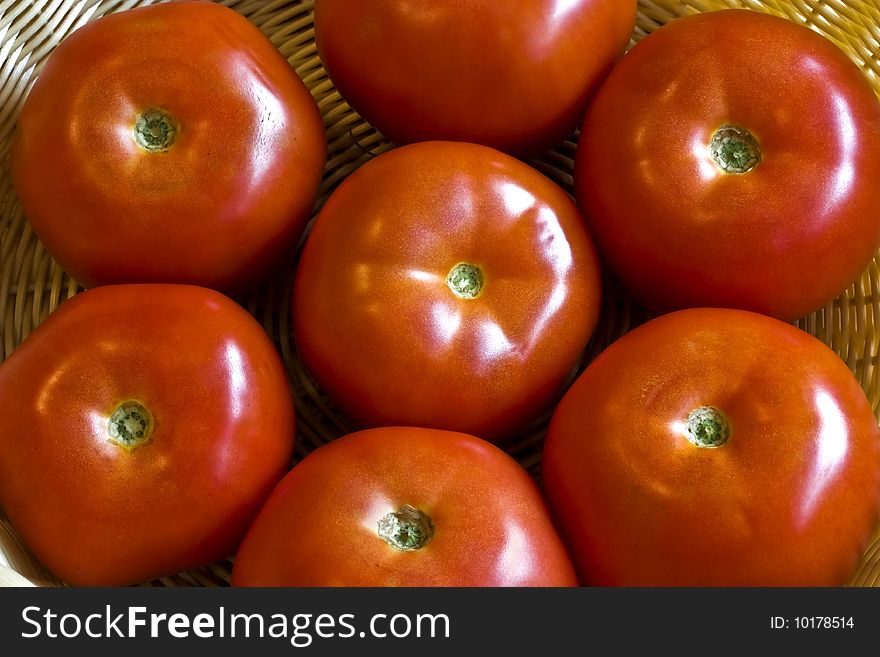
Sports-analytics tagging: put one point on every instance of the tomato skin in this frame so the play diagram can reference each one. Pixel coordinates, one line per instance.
(379, 328)
(98, 514)
(791, 498)
(223, 205)
(319, 526)
(781, 239)
(514, 75)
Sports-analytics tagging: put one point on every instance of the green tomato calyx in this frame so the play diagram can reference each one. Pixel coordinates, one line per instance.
(707, 427)
(735, 150)
(155, 130)
(465, 280)
(407, 530)
(130, 425)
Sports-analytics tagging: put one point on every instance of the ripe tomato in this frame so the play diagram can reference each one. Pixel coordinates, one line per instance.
(736, 89)
(404, 507)
(142, 426)
(445, 285)
(168, 143)
(643, 497)
(515, 75)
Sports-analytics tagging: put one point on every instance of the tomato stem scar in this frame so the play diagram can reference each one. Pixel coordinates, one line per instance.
(465, 280)
(707, 427)
(130, 425)
(407, 529)
(155, 130)
(734, 150)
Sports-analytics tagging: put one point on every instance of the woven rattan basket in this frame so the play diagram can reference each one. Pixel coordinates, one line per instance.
(32, 285)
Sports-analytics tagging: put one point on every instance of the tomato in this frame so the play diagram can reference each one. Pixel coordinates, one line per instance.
(400, 506)
(515, 75)
(169, 143)
(445, 285)
(736, 89)
(647, 492)
(141, 427)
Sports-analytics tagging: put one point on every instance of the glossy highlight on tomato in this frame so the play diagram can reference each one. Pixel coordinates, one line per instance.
(714, 447)
(731, 159)
(515, 75)
(399, 506)
(445, 285)
(168, 143)
(141, 428)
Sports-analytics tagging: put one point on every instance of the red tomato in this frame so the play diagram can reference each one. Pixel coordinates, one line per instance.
(404, 507)
(734, 89)
(644, 496)
(515, 75)
(445, 285)
(143, 426)
(169, 143)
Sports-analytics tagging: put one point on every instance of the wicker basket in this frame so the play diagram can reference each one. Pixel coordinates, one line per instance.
(32, 284)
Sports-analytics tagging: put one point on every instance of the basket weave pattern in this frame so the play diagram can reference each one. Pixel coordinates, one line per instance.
(32, 284)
